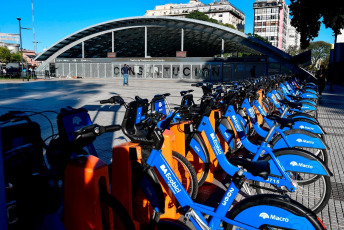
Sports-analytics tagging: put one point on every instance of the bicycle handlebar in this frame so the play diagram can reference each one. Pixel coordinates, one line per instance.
(113, 100)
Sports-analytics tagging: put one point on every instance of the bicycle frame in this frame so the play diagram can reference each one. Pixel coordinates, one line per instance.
(194, 210)
(278, 167)
(231, 169)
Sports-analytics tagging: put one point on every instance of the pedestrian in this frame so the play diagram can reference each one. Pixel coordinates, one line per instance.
(125, 71)
(321, 77)
(253, 71)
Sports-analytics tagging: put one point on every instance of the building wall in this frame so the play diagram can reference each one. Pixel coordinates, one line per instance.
(222, 11)
(271, 21)
(166, 68)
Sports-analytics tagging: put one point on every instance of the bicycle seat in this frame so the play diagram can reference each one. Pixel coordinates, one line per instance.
(294, 105)
(162, 95)
(282, 121)
(256, 168)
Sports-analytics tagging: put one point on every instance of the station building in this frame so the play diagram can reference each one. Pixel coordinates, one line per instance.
(163, 47)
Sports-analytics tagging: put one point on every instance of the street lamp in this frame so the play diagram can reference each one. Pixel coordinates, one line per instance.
(21, 44)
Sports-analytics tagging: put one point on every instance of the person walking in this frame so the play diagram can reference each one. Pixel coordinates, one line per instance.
(321, 77)
(125, 71)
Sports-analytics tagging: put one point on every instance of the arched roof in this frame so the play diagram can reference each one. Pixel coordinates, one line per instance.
(201, 39)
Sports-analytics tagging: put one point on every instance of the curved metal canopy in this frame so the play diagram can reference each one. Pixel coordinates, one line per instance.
(201, 39)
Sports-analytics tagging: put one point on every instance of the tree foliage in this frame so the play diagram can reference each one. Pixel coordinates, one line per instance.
(259, 37)
(320, 52)
(294, 50)
(6, 56)
(308, 15)
(201, 16)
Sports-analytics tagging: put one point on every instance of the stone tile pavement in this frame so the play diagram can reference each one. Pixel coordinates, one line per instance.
(55, 94)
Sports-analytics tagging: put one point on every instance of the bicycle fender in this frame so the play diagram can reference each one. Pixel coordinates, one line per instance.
(308, 95)
(303, 115)
(227, 132)
(299, 138)
(297, 160)
(273, 210)
(314, 128)
(199, 148)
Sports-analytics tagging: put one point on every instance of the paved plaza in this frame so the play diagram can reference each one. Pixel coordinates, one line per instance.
(55, 94)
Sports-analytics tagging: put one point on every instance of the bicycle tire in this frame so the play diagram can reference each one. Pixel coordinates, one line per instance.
(274, 201)
(185, 173)
(201, 168)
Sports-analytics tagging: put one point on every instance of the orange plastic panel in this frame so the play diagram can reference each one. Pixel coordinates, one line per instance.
(82, 208)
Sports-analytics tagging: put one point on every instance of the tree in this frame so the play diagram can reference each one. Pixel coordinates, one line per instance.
(320, 52)
(294, 50)
(307, 16)
(201, 16)
(259, 37)
(15, 57)
(5, 55)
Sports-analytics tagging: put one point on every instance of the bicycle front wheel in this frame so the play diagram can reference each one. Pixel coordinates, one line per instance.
(185, 173)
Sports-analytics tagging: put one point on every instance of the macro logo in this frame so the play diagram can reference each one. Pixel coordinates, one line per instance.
(304, 141)
(305, 127)
(293, 163)
(264, 215)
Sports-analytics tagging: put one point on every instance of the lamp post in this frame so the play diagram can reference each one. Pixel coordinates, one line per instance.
(21, 46)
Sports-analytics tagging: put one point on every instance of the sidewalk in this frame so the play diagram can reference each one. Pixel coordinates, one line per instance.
(55, 94)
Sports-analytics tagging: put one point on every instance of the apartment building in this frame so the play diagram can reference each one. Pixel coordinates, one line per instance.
(221, 10)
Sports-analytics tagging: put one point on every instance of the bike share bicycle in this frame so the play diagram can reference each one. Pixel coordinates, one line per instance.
(265, 210)
(304, 157)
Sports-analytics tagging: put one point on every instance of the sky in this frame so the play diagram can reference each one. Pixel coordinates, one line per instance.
(57, 19)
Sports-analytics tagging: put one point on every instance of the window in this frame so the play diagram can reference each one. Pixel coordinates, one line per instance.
(220, 15)
(220, 21)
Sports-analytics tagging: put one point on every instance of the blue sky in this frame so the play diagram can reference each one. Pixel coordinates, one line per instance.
(54, 20)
